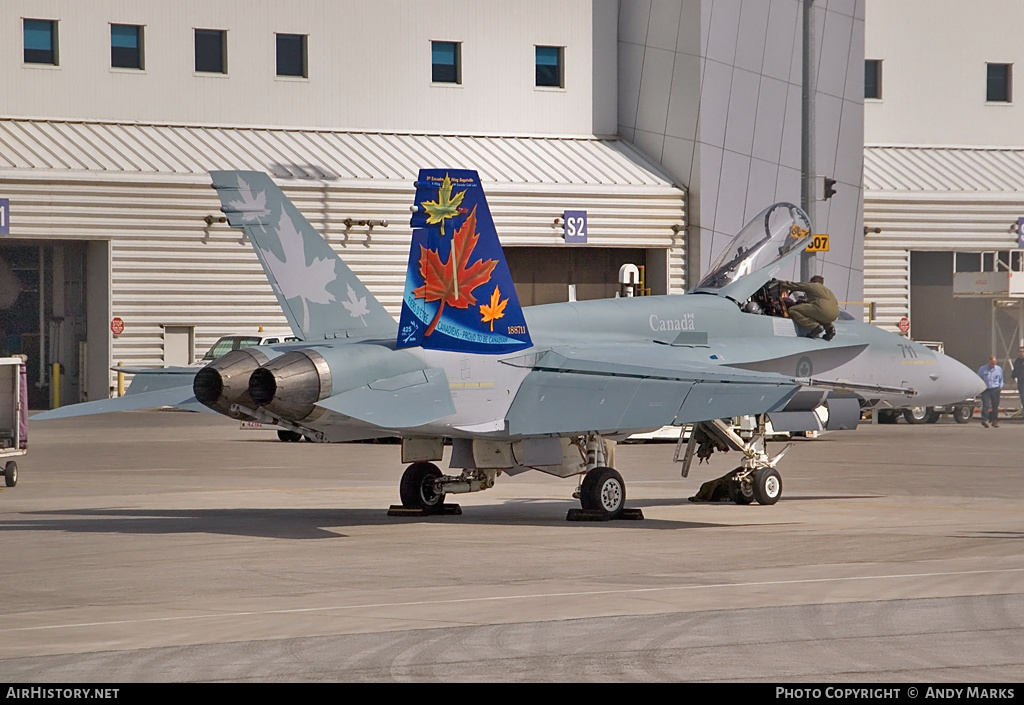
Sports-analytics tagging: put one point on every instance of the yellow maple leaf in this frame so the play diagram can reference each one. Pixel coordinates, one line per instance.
(445, 206)
(495, 310)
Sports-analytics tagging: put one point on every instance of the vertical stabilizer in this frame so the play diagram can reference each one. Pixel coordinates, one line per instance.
(458, 291)
(319, 294)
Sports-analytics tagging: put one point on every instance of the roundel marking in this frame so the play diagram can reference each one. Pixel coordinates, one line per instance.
(804, 367)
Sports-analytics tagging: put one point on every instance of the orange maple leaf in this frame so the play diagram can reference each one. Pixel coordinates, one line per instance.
(495, 310)
(452, 282)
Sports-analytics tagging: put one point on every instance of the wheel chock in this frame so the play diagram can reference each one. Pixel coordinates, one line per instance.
(597, 515)
(397, 510)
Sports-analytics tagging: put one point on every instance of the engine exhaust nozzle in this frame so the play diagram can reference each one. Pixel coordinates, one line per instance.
(225, 381)
(291, 385)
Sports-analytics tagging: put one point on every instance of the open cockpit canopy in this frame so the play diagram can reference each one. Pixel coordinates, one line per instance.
(767, 246)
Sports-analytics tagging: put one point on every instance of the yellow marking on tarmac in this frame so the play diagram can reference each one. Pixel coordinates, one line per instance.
(470, 385)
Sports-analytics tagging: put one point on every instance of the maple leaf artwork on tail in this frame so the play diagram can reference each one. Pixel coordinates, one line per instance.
(453, 282)
(459, 294)
(494, 310)
(446, 206)
(356, 305)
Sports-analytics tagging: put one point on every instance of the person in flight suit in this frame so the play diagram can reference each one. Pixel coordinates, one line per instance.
(818, 309)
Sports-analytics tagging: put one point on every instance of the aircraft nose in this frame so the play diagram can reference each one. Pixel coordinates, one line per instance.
(955, 381)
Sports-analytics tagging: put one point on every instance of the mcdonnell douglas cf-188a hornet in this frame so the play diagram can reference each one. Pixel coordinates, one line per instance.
(542, 387)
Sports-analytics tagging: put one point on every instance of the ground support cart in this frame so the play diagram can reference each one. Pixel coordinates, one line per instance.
(13, 415)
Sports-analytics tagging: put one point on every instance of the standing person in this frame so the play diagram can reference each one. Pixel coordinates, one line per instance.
(992, 373)
(1018, 374)
(818, 310)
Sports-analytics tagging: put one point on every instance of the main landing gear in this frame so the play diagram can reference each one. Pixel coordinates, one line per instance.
(423, 489)
(602, 493)
(755, 480)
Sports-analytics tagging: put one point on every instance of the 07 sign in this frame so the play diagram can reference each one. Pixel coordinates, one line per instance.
(819, 243)
(5, 216)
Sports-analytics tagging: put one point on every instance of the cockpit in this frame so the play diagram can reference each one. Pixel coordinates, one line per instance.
(766, 250)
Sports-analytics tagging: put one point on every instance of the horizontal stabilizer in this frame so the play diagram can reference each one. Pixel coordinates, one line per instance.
(404, 401)
(181, 397)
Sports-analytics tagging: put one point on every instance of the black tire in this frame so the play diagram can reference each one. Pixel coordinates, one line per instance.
(741, 492)
(417, 487)
(289, 436)
(886, 416)
(917, 414)
(767, 486)
(963, 413)
(604, 491)
(933, 416)
(11, 473)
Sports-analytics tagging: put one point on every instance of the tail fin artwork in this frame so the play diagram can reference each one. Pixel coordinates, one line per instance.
(308, 277)
(459, 294)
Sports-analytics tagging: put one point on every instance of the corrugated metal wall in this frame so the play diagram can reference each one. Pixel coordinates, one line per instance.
(927, 222)
(168, 267)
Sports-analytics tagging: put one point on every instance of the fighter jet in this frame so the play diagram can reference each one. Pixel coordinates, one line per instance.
(542, 388)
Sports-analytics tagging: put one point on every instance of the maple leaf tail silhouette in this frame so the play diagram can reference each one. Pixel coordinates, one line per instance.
(309, 279)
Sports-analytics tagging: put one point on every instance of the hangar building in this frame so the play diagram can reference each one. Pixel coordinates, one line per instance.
(670, 122)
(944, 174)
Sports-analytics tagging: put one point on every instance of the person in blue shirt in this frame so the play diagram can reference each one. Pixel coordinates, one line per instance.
(993, 376)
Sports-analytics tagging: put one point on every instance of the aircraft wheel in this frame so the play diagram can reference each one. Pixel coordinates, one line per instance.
(740, 492)
(417, 487)
(917, 414)
(933, 416)
(289, 436)
(603, 490)
(767, 486)
(11, 473)
(963, 413)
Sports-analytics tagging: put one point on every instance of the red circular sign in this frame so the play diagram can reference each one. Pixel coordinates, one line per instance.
(117, 326)
(904, 324)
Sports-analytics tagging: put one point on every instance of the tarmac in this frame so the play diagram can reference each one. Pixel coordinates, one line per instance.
(175, 547)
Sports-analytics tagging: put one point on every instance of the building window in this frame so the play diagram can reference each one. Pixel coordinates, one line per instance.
(126, 46)
(999, 83)
(447, 62)
(549, 67)
(40, 42)
(291, 55)
(873, 78)
(211, 51)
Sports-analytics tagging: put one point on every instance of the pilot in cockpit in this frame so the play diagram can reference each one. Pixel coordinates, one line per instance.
(818, 309)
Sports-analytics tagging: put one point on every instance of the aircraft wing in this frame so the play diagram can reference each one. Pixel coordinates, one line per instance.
(627, 386)
(150, 388)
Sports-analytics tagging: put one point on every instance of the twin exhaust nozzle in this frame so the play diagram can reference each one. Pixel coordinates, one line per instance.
(288, 386)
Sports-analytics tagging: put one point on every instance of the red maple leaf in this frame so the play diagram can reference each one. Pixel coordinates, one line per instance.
(452, 282)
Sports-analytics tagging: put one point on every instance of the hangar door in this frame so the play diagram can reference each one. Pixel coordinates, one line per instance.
(43, 314)
(963, 325)
(543, 275)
